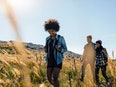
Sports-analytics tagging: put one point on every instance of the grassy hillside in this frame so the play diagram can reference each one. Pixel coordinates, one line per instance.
(29, 70)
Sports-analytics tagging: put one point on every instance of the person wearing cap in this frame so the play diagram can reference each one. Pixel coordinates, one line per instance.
(101, 61)
(88, 58)
(54, 48)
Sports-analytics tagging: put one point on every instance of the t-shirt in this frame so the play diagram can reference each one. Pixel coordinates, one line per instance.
(51, 60)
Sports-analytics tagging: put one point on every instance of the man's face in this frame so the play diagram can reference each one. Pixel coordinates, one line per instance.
(52, 32)
(89, 40)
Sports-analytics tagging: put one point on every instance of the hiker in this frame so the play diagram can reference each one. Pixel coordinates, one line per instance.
(88, 58)
(55, 47)
(101, 61)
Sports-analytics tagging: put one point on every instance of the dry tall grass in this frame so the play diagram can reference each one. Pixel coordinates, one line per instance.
(68, 65)
(12, 74)
(18, 45)
(26, 69)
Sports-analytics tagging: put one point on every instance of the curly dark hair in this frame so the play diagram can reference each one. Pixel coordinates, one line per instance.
(51, 24)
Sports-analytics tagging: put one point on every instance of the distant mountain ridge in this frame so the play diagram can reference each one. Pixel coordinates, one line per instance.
(6, 45)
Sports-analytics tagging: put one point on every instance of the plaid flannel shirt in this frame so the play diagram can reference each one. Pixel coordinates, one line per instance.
(101, 59)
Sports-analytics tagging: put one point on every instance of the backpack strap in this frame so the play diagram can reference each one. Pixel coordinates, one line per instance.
(47, 40)
(56, 42)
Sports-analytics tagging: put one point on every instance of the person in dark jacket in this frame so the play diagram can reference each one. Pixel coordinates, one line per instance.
(101, 61)
(54, 48)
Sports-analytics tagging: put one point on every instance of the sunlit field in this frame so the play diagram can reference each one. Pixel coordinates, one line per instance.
(23, 67)
(19, 69)
(17, 72)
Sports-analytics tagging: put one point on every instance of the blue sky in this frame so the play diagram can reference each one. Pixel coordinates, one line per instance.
(77, 18)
